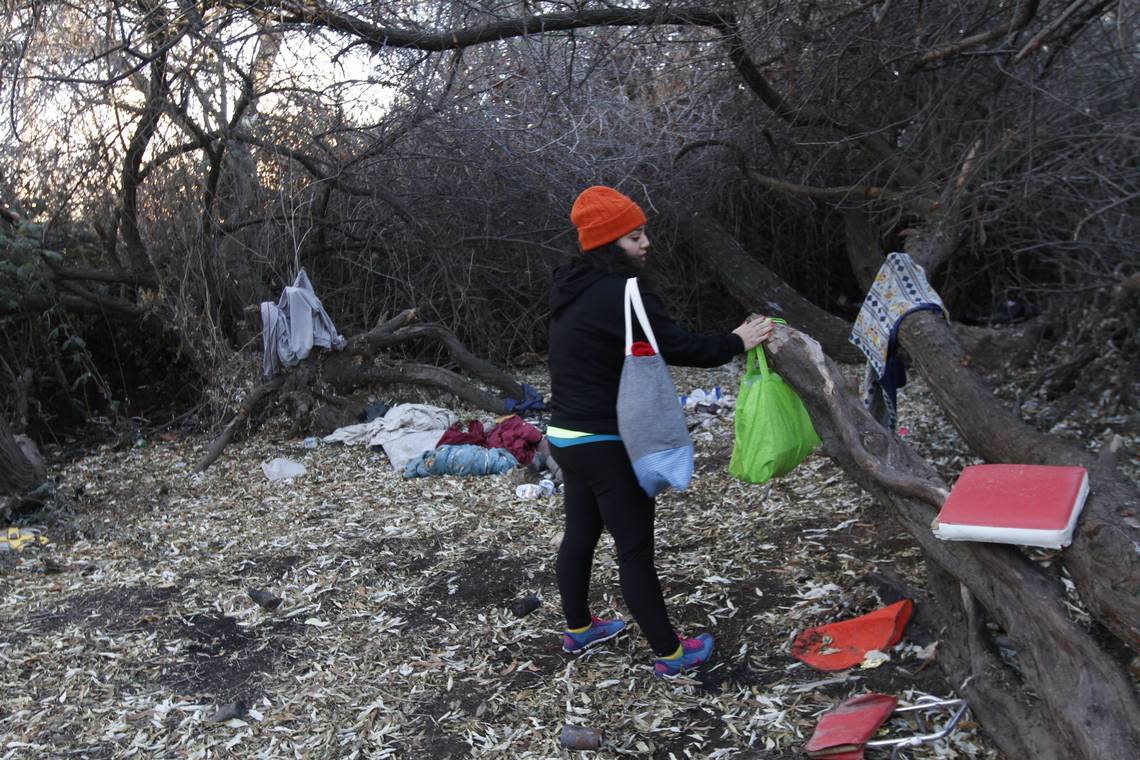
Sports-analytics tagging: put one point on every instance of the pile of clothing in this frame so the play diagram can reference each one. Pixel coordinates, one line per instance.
(460, 459)
(422, 440)
(511, 433)
(405, 431)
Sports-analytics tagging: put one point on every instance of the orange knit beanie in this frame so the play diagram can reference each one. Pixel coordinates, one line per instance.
(602, 215)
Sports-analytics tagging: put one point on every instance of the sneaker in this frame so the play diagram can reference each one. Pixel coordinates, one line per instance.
(599, 631)
(693, 653)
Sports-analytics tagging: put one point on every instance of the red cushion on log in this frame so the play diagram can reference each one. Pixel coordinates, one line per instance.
(1034, 505)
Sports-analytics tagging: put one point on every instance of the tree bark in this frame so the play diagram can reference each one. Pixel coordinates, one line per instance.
(1103, 558)
(425, 374)
(992, 349)
(19, 475)
(476, 366)
(23, 392)
(760, 289)
(249, 406)
(1089, 704)
(966, 652)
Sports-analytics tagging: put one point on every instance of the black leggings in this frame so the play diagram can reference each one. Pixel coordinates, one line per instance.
(601, 490)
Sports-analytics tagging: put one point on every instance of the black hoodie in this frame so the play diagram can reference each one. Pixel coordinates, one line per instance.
(587, 346)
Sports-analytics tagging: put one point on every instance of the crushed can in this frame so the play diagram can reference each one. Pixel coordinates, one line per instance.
(580, 737)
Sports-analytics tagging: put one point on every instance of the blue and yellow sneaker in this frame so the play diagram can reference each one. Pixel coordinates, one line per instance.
(690, 654)
(581, 639)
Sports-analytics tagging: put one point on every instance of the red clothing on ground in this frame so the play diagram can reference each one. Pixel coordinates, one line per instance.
(517, 437)
(474, 435)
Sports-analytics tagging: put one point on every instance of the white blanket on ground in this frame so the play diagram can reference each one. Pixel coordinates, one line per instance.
(405, 431)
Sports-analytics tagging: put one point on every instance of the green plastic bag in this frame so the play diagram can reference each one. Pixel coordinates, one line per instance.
(773, 430)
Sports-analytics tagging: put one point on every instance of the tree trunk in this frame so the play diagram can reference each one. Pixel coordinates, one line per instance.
(23, 393)
(760, 289)
(993, 349)
(950, 616)
(18, 474)
(1089, 705)
(478, 367)
(1103, 558)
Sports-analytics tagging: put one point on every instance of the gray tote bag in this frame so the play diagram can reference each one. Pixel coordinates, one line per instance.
(651, 421)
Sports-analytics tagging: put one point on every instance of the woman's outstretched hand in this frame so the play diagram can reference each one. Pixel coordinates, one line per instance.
(754, 331)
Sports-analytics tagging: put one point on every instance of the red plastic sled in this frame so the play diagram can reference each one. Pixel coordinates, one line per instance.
(842, 731)
(838, 646)
(845, 731)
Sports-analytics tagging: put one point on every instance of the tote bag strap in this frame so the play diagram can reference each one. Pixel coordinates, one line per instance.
(633, 298)
(756, 359)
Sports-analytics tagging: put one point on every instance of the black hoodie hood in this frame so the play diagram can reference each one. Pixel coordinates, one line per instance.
(569, 282)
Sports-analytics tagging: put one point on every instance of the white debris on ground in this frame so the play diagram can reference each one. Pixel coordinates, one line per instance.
(134, 633)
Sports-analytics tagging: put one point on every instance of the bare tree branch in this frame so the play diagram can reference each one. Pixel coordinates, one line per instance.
(132, 161)
(453, 39)
(313, 166)
(1023, 14)
(1036, 41)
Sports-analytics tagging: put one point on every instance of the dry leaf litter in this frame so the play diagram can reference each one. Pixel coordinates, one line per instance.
(134, 633)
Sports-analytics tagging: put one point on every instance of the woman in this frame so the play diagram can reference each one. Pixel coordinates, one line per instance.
(587, 337)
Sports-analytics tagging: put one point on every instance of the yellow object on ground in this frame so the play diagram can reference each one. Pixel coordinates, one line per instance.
(16, 538)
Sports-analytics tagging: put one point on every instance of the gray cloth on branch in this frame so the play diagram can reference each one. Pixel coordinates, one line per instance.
(292, 326)
(405, 432)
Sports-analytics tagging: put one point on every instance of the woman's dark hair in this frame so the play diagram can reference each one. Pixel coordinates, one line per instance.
(611, 259)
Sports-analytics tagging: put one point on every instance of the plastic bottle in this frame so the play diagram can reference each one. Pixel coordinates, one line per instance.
(547, 486)
(529, 491)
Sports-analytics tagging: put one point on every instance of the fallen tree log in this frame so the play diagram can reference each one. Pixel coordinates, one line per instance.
(399, 332)
(436, 377)
(1103, 558)
(994, 349)
(316, 390)
(965, 646)
(1084, 702)
(762, 290)
(249, 407)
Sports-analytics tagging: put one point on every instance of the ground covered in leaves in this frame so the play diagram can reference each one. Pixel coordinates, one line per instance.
(133, 633)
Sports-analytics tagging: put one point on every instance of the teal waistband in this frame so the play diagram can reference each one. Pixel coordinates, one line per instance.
(578, 440)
